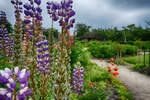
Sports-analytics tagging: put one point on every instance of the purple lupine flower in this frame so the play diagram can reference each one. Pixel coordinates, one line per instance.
(6, 78)
(43, 59)
(38, 2)
(78, 78)
(17, 5)
(6, 42)
(62, 11)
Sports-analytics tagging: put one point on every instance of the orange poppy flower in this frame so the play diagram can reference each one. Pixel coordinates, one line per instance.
(112, 59)
(112, 63)
(91, 84)
(115, 73)
(109, 70)
(113, 77)
(115, 69)
(108, 67)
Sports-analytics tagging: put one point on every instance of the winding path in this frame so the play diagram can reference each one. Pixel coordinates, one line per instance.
(138, 84)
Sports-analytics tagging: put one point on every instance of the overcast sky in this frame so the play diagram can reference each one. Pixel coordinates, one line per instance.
(98, 13)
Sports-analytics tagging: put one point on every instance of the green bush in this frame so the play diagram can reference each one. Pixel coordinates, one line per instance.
(108, 49)
(146, 45)
(130, 49)
(79, 53)
(101, 50)
(96, 92)
(141, 68)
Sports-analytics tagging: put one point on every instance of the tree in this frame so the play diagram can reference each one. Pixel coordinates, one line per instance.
(3, 20)
(82, 29)
(47, 32)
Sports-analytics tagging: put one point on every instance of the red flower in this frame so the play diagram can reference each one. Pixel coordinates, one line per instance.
(115, 69)
(113, 77)
(112, 63)
(108, 67)
(109, 70)
(115, 73)
(91, 84)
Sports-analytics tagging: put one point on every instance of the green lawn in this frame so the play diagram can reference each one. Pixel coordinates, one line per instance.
(133, 60)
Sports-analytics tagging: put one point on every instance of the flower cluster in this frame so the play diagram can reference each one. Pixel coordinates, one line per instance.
(17, 5)
(18, 33)
(6, 42)
(32, 10)
(113, 69)
(78, 78)
(12, 79)
(62, 12)
(43, 59)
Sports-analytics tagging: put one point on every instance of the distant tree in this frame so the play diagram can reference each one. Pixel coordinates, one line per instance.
(82, 29)
(46, 32)
(3, 20)
(9, 27)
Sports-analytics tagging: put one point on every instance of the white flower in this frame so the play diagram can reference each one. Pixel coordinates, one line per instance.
(22, 73)
(23, 90)
(4, 74)
(8, 94)
(8, 85)
(7, 70)
(11, 80)
(3, 91)
(16, 69)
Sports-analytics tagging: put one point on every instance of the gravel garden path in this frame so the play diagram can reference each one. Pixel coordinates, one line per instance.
(138, 84)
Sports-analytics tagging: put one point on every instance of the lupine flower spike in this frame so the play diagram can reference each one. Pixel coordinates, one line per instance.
(12, 79)
(6, 41)
(18, 33)
(78, 73)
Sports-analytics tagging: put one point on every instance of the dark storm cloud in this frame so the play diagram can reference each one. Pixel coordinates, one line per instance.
(131, 4)
(98, 13)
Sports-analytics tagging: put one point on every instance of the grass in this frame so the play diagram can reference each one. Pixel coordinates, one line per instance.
(133, 60)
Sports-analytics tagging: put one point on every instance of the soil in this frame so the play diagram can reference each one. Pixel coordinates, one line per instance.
(138, 84)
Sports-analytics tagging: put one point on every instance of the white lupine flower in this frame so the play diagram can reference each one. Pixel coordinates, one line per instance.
(22, 85)
(3, 91)
(9, 94)
(22, 73)
(23, 90)
(16, 69)
(6, 75)
(11, 80)
(7, 70)
(8, 85)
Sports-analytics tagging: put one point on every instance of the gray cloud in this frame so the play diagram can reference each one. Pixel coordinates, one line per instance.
(98, 13)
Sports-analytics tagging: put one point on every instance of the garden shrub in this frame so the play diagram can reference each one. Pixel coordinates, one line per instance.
(79, 53)
(96, 92)
(146, 45)
(101, 50)
(108, 49)
(130, 49)
(141, 68)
